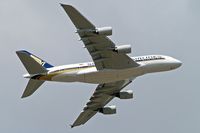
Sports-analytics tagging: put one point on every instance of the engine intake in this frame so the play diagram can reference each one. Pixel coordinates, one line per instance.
(123, 49)
(127, 94)
(108, 110)
(106, 31)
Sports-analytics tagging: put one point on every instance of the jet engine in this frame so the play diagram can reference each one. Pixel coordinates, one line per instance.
(123, 49)
(106, 31)
(127, 94)
(108, 110)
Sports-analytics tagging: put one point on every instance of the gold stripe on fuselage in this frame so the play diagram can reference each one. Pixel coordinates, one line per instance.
(57, 72)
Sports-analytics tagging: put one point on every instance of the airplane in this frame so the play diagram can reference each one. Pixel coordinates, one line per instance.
(112, 69)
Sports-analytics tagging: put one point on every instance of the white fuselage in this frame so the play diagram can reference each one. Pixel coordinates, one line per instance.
(87, 72)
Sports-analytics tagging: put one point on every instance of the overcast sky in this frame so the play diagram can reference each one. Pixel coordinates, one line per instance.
(166, 102)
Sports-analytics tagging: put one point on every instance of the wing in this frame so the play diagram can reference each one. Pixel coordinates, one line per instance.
(103, 94)
(100, 47)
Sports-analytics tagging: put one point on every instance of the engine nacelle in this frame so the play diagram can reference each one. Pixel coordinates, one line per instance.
(108, 110)
(127, 94)
(106, 31)
(123, 49)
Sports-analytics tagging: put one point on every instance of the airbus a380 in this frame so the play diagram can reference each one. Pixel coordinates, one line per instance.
(112, 69)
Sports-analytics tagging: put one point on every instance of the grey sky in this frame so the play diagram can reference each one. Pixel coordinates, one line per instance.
(165, 102)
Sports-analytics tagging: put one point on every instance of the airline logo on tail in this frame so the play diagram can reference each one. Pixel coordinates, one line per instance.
(40, 61)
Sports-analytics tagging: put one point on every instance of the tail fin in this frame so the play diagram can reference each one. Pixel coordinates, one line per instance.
(33, 65)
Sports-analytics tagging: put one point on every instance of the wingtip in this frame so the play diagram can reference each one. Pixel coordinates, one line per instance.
(65, 5)
(23, 96)
(71, 126)
(61, 4)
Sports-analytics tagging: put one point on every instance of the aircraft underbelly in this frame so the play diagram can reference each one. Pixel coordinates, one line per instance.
(98, 77)
(107, 76)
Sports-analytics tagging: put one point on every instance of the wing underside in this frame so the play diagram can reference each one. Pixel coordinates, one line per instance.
(100, 47)
(103, 94)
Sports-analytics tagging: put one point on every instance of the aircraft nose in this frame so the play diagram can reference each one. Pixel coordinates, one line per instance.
(177, 63)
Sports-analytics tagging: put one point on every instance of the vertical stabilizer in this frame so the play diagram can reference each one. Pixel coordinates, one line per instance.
(32, 63)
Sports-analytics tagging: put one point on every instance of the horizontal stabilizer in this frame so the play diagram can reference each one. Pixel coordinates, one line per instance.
(31, 87)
